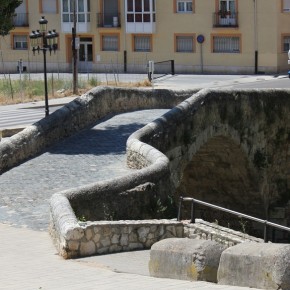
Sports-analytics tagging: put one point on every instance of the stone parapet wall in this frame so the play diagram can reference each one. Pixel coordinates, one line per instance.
(115, 236)
(74, 238)
(84, 111)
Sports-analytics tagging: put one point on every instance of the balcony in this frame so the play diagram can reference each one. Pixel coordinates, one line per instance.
(225, 19)
(20, 20)
(108, 20)
(141, 22)
(83, 22)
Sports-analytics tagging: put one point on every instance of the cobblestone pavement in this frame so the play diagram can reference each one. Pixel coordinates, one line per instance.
(94, 154)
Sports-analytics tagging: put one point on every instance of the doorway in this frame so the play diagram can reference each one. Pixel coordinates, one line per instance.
(110, 8)
(85, 54)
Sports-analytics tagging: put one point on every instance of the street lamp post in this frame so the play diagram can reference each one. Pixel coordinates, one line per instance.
(44, 41)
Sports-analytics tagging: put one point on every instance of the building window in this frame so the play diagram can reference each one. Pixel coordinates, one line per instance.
(82, 8)
(49, 6)
(142, 43)
(227, 8)
(286, 5)
(226, 44)
(184, 6)
(20, 19)
(110, 42)
(227, 14)
(286, 43)
(184, 43)
(140, 10)
(20, 42)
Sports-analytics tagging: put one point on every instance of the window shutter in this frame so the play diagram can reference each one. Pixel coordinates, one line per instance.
(226, 44)
(142, 43)
(110, 43)
(184, 44)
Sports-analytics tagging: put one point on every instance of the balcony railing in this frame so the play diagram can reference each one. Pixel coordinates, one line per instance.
(225, 19)
(108, 20)
(20, 20)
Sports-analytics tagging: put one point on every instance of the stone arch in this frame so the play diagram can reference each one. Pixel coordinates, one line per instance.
(257, 123)
(221, 173)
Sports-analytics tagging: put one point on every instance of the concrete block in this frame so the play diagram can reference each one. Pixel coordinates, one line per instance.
(263, 266)
(185, 259)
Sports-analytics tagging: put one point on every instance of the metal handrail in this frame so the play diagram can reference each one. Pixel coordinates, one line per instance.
(241, 215)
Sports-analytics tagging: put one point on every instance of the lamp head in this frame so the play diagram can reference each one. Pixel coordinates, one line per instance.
(33, 38)
(43, 24)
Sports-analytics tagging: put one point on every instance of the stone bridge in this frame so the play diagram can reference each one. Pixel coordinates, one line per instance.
(230, 148)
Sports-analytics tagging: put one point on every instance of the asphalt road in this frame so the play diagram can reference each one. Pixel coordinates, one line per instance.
(223, 81)
(25, 114)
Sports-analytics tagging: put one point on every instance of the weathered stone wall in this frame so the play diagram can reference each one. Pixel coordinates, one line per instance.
(81, 113)
(73, 238)
(231, 148)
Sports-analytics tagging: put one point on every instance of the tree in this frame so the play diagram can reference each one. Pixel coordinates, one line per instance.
(7, 11)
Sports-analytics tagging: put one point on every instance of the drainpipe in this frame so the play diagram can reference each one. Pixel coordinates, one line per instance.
(74, 51)
(125, 35)
(256, 36)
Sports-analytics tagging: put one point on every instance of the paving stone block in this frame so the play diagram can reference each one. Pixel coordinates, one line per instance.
(264, 266)
(185, 259)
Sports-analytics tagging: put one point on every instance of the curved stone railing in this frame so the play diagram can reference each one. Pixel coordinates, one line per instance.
(81, 113)
(71, 237)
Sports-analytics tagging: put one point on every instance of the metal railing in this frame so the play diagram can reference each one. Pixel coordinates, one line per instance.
(160, 68)
(225, 19)
(240, 215)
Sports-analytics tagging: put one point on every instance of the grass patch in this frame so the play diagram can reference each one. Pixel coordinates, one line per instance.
(27, 90)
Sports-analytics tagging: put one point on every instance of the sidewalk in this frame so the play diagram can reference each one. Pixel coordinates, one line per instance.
(29, 261)
(24, 114)
(39, 104)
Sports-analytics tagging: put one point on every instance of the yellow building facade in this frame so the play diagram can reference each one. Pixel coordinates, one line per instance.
(201, 36)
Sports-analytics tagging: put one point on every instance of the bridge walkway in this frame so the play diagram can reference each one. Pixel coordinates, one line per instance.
(94, 154)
